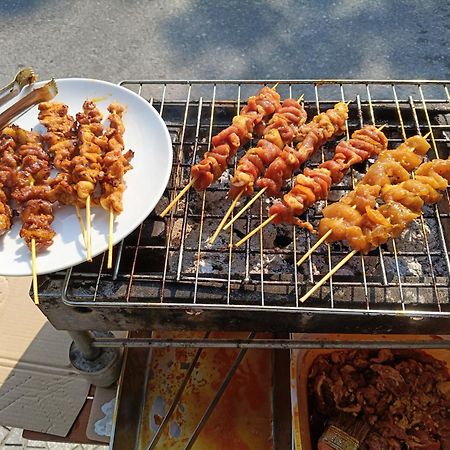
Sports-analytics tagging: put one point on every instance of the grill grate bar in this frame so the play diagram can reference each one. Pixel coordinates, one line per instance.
(294, 233)
(263, 274)
(366, 165)
(433, 139)
(327, 245)
(372, 117)
(203, 199)
(394, 244)
(178, 176)
(188, 196)
(422, 221)
(352, 175)
(230, 238)
(438, 218)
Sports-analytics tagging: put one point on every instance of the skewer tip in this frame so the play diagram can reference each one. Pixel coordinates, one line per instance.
(317, 286)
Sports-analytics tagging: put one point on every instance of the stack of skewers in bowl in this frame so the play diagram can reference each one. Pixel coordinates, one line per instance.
(382, 204)
(90, 163)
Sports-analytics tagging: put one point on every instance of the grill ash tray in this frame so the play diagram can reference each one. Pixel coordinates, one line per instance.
(252, 413)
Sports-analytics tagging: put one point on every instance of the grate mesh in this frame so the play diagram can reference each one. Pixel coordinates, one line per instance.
(169, 262)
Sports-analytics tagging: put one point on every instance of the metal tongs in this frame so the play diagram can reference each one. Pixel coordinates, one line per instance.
(25, 77)
(42, 94)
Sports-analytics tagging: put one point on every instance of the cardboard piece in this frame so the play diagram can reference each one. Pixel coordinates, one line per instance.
(39, 389)
(101, 418)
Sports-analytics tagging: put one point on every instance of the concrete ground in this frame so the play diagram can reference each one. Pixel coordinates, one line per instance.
(120, 39)
(11, 439)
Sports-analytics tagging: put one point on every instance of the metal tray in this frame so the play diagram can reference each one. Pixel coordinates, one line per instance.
(137, 375)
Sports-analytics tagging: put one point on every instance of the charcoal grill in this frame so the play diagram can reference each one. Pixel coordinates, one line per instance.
(167, 276)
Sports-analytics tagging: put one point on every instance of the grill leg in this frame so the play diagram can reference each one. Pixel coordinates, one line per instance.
(83, 341)
(100, 366)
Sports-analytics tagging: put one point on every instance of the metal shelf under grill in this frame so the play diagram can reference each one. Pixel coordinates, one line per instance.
(166, 274)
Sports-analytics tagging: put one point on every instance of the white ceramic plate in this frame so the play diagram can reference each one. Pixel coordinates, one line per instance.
(146, 134)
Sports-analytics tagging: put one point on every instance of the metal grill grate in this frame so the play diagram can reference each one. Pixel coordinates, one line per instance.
(169, 263)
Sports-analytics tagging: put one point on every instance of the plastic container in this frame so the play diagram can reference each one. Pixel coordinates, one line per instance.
(301, 362)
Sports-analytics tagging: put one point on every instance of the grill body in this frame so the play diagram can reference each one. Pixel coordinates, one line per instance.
(166, 274)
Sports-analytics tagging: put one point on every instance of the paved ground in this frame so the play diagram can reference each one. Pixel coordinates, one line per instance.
(120, 39)
(11, 439)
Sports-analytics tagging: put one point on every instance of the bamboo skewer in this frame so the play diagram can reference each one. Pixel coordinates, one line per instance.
(341, 263)
(253, 232)
(177, 198)
(83, 229)
(245, 207)
(225, 218)
(88, 228)
(317, 244)
(34, 265)
(34, 272)
(313, 248)
(110, 238)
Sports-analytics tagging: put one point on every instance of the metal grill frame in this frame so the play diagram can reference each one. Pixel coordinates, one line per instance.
(81, 313)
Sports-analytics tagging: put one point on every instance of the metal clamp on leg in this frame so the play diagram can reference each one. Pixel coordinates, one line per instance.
(101, 367)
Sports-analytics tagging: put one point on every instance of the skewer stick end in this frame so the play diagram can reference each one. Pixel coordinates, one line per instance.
(83, 229)
(341, 263)
(225, 217)
(177, 198)
(428, 135)
(313, 248)
(34, 272)
(245, 207)
(254, 231)
(274, 87)
(88, 229)
(110, 238)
